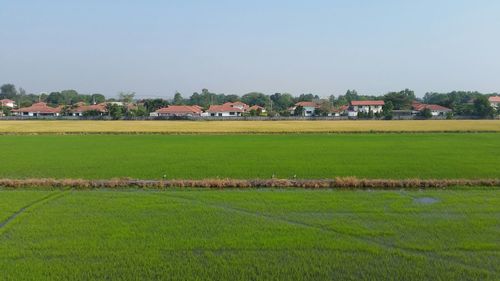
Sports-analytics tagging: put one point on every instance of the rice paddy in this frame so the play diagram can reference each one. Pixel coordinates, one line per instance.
(76, 229)
(303, 156)
(250, 235)
(244, 127)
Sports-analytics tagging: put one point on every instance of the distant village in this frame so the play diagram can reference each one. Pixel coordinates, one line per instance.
(395, 105)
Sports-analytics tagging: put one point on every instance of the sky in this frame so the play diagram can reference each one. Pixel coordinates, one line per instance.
(156, 48)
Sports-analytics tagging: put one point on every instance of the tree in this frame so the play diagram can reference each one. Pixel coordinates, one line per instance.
(307, 97)
(97, 98)
(299, 111)
(92, 113)
(324, 107)
(351, 95)
(140, 111)
(115, 111)
(483, 108)
(400, 100)
(154, 104)
(256, 98)
(281, 102)
(55, 98)
(8, 91)
(426, 113)
(126, 97)
(178, 99)
(387, 110)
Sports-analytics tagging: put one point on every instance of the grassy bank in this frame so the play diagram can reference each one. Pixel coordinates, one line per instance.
(372, 156)
(246, 127)
(250, 235)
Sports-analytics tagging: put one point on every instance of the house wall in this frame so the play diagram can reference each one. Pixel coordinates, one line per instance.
(224, 114)
(309, 111)
(9, 104)
(367, 108)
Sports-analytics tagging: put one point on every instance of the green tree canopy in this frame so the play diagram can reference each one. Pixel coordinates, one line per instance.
(8, 91)
(400, 100)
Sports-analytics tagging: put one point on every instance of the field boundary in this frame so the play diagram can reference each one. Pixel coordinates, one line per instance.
(347, 182)
(249, 132)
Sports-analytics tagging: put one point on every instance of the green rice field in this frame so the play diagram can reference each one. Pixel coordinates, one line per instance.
(259, 234)
(391, 156)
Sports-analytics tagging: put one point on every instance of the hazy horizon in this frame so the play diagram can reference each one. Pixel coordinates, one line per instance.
(236, 47)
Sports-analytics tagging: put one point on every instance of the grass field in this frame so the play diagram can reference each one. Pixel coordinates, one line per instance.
(397, 156)
(190, 127)
(250, 235)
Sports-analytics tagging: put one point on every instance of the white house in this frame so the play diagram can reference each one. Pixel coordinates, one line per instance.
(308, 106)
(228, 109)
(365, 106)
(7, 103)
(38, 109)
(257, 109)
(178, 110)
(82, 108)
(436, 110)
(495, 101)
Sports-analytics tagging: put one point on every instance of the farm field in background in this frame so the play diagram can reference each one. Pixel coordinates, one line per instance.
(250, 235)
(195, 127)
(308, 156)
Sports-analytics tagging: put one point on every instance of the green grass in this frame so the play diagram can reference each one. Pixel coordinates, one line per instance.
(250, 235)
(252, 156)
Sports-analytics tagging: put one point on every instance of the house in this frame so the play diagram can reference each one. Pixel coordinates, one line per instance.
(241, 105)
(436, 110)
(365, 106)
(81, 108)
(7, 103)
(308, 106)
(257, 109)
(339, 111)
(178, 110)
(38, 109)
(229, 109)
(495, 101)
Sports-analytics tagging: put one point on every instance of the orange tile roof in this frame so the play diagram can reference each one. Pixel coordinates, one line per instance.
(180, 109)
(367, 102)
(83, 108)
(255, 107)
(494, 99)
(306, 104)
(227, 107)
(39, 107)
(434, 107)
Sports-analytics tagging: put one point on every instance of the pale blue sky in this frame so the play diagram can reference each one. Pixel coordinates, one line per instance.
(326, 47)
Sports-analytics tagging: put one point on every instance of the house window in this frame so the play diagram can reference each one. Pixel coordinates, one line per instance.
(231, 113)
(212, 114)
(220, 114)
(309, 112)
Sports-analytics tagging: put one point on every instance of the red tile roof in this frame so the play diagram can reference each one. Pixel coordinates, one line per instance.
(83, 108)
(39, 107)
(433, 107)
(340, 109)
(367, 102)
(494, 99)
(180, 109)
(255, 107)
(227, 107)
(5, 101)
(306, 104)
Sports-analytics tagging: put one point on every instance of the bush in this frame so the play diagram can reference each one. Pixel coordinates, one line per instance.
(426, 113)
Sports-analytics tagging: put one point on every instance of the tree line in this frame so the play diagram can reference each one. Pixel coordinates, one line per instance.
(461, 102)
